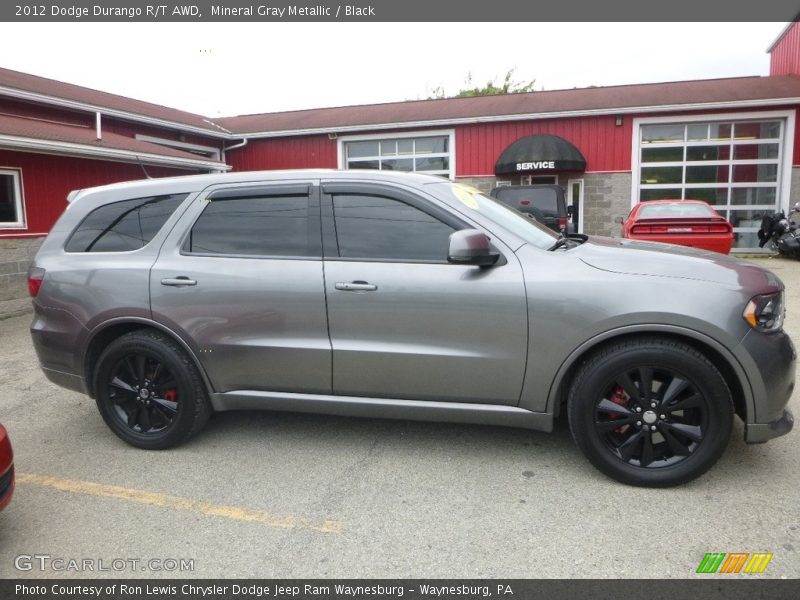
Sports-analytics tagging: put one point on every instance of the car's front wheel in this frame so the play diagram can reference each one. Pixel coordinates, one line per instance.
(149, 392)
(650, 412)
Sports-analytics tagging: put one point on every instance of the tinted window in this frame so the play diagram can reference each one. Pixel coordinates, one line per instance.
(123, 226)
(263, 226)
(544, 199)
(375, 227)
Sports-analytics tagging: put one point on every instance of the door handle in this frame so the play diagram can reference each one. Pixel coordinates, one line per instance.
(356, 286)
(178, 281)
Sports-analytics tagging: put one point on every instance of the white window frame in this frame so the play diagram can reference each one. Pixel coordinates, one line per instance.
(784, 180)
(16, 174)
(451, 145)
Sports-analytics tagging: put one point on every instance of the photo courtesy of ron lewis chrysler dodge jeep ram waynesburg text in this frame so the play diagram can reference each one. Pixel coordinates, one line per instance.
(404, 296)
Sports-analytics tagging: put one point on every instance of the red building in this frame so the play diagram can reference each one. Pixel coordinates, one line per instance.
(730, 142)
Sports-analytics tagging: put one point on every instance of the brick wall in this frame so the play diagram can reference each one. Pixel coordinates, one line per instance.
(605, 197)
(15, 258)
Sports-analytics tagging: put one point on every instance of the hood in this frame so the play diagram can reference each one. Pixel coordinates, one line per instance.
(667, 260)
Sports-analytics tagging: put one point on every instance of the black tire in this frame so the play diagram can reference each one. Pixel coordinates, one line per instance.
(622, 433)
(149, 392)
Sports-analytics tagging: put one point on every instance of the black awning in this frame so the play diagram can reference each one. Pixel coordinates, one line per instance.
(539, 154)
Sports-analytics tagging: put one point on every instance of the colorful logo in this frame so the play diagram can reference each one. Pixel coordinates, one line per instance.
(735, 562)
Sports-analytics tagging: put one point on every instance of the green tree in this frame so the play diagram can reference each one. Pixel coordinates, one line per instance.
(491, 88)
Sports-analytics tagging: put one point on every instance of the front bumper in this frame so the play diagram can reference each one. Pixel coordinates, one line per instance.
(758, 433)
(772, 377)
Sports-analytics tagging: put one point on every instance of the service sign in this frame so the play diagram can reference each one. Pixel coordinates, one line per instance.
(540, 165)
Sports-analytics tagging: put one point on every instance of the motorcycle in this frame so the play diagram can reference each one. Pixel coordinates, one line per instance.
(781, 232)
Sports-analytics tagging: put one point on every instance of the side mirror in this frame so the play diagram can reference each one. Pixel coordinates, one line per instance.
(471, 247)
(619, 220)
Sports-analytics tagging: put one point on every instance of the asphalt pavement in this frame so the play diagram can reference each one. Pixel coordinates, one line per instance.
(282, 495)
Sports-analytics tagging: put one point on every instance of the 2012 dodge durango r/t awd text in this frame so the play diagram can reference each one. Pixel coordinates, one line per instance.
(405, 296)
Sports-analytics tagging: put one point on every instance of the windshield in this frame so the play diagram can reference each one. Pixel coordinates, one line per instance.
(509, 219)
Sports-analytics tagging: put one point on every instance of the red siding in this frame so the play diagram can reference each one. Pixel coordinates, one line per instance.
(46, 181)
(131, 129)
(38, 111)
(302, 152)
(605, 146)
(785, 56)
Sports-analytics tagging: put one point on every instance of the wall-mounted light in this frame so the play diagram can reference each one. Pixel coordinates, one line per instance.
(332, 136)
(618, 121)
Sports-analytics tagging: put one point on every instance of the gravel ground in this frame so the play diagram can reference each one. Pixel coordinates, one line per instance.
(288, 495)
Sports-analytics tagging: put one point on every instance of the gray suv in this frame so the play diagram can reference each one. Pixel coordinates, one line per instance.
(403, 296)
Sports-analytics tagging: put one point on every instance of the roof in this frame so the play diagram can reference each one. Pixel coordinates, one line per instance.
(58, 90)
(83, 140)
(679, 95)
(193, 183)
(541, 104)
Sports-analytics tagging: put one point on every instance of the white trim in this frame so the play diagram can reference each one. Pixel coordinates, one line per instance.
(19, 199)
(733, 105)
(210, 151)
(69, 149)
(451, 144)
(22, 235)
(214, 130)
(570, 200)
(785, 173)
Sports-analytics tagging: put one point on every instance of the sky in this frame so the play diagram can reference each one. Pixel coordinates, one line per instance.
(222, 69)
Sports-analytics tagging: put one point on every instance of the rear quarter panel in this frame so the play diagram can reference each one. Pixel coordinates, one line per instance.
(83, 290)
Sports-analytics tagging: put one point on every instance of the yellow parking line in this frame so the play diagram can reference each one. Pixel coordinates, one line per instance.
(156, 499)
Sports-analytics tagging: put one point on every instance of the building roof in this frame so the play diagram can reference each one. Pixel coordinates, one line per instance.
(82, 141)
(43, 89)
(705, 94)
(699, 94)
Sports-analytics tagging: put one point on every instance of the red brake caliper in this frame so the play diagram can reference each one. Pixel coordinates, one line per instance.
(618, 397)
(171, 395)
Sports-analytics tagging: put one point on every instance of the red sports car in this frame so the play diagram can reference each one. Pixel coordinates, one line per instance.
(6, 469)
(684, 222)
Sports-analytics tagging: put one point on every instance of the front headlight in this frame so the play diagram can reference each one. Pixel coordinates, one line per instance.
(765, 312)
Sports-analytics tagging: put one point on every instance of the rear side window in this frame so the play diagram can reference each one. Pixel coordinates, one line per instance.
(260, 226)
(123, 226)
(545, 199)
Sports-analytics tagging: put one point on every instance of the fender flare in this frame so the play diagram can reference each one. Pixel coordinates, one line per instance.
(553, 397)
(101, 327)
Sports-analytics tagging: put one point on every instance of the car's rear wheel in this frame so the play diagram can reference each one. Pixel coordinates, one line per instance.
(149, 392)
(650, 412)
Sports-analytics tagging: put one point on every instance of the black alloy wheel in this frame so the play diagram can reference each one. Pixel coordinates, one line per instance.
(149, 392)
(651, 417)
(650, 411)
(144, 393)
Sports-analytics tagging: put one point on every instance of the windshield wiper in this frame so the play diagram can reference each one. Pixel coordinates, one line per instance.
(560, 243)
(564, 240)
